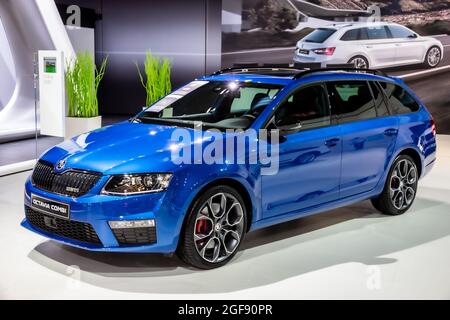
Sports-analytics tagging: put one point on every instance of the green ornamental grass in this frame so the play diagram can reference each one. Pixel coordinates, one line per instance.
(82, 81)
(157, 83)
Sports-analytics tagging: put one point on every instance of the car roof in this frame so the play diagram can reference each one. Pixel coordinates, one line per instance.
(345, 75)
(251, 77)
(288, 78)
(352, 25)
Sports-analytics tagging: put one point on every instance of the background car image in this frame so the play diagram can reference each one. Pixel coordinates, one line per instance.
(248, 40)
(368, 45)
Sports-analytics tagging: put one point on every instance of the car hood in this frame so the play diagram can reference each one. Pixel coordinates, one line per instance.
(121, 148)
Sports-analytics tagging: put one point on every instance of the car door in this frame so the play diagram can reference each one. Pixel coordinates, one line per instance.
(309, 154)
(368, 134)
(410, 48)
(380, 46)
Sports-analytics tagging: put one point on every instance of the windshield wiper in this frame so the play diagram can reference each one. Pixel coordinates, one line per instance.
(168, 121)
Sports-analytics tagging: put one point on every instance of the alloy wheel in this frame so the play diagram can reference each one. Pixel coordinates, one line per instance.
(218, 228)
(403, 184)
(434, 56)
(359, 63)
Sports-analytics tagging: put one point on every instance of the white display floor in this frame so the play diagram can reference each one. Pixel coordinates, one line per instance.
(346, 253)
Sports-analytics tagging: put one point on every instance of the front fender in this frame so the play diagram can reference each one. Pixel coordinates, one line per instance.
(188, 183)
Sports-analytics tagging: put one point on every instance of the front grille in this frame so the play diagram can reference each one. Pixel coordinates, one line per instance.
(71, 183)
(73, 230)
(135, 236)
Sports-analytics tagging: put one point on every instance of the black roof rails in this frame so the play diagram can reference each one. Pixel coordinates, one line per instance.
(299, 69)
(256, 67)
(308, 72)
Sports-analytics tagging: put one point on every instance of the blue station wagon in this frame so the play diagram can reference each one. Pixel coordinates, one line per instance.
(334, 137)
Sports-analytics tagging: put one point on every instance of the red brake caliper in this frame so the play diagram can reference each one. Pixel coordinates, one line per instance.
(200, 228)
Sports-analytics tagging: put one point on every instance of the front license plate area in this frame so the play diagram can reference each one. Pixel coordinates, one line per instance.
(51, 207)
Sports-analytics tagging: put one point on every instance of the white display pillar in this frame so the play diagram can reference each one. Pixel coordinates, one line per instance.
(52, 101)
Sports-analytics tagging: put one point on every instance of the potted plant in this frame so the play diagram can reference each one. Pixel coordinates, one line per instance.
(157, 72)
(82, 81)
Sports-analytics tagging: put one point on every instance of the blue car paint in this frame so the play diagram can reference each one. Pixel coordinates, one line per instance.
(304, 160)
(140, 148)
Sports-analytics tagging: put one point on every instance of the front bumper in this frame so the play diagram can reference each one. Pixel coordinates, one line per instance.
(97, 210)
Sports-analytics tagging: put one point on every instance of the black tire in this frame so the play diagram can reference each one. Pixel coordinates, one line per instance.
(427, 63)
(355, 64)
(385, 202)
(188, 247)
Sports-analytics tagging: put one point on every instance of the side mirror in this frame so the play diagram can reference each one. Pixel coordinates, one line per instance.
(413, 36)
(271, 126)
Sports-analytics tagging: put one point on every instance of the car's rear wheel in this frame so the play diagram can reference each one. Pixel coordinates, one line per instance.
(214, 228)
(433, 57)
(400, 189)
(359, 62)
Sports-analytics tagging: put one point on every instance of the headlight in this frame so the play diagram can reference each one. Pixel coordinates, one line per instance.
(128, 184)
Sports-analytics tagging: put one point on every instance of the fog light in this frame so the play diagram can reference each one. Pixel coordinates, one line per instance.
(132, 224)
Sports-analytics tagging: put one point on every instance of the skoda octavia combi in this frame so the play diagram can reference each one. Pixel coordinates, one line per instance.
(374, 45)
(340, 137)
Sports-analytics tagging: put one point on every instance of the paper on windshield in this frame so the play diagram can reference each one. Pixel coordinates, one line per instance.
(176, 95)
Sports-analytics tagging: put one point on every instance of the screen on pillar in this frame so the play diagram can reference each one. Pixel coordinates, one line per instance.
(51, 93)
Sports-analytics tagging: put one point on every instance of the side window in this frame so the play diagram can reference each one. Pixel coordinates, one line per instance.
(380, 105)
(352, 101)
(401, 32)
(351, 35)
(400, 101)
(378, 33)
(355, 34)
(364, 34)
(307, 107)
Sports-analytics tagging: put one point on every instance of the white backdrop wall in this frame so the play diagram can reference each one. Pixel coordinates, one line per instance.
(7, 71)
(29, 26)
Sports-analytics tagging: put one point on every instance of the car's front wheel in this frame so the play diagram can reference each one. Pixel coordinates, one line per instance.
(214, 228)
(433, 57)
(400, 188)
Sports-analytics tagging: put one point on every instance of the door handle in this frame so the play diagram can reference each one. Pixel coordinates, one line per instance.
(332, 142)
(398, 44)
(390, 132)
(369, 47)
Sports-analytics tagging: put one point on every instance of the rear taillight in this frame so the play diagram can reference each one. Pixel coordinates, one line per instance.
(433, 126)
(325, 51)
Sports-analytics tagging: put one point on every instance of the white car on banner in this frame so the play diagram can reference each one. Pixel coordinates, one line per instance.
(368, 45)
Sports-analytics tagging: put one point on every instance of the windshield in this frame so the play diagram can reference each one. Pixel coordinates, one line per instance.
(319, 35)
(216, 104)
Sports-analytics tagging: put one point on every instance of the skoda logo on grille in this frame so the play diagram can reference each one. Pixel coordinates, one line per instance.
(60, 165)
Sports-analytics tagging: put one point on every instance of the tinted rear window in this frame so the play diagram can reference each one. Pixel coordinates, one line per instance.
(400, 101)
(319, 35)
(351, 35)
(380, 106)
(352, 101)
(355, 34)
